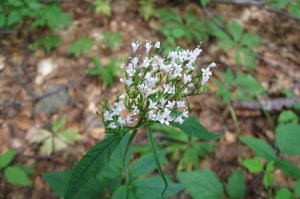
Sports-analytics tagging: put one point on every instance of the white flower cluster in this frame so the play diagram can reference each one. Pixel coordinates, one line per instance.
(156, 86)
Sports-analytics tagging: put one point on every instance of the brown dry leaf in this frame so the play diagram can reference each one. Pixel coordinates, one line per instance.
(23, 122)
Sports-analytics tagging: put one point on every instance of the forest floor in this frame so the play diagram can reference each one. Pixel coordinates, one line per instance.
(32, 98)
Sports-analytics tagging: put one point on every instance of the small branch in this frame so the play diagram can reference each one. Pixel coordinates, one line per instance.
(14, 65)
(270, 104)
(257, 3)
(38, 157)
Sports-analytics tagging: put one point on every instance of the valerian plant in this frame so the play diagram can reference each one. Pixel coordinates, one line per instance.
(156, 91)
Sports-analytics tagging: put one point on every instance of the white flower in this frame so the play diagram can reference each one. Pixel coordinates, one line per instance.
(212, 65)
(185, 91)
(170, 104)
(134, 61)
(152, 115)
(163, 101)
(165, 117)
(146, 62)
(135, 45)
(121, 121)
(112, 125)
(185, 114)
(206, 72)
(180, 104)
(204, 80)
(148, 46)
(191, 85)
(107, 116)
(157, 44)
(179, 120)
(129, 119)
(136, 110)
(152, 105)
(187, 78)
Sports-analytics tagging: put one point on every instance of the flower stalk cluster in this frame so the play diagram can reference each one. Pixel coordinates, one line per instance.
(156, 88)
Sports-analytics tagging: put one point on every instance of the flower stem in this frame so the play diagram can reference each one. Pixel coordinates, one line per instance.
(235, 120)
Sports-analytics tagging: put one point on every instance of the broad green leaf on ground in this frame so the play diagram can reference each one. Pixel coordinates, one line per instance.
(284, 193)
(236, 30)
(254, 165)
(193, 128)
(288, 117)
(51, 16)
(49, 42)
(58, 181)
(58, 124)
(287, 138)
(81, 46)
(248, 85)
(201, 184)
(204, 2)
(268, 179)
(17, 176)
(236, 185)
(260, 147)
(6, 158)
(143, 166)
(289, 168)
(152, 187)
(91, 164)
(297, 188)
(121, 193)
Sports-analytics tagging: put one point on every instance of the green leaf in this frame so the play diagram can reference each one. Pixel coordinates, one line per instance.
(51, 16)
(284, 193)
(81, 46)
(156, 157)
(152, 187)
(236, 185)
(48, 42)
(58, 181)
(249, 58)
(17, 176)
(120, 193)
(204, 2)
(6, 158)
(143, 166)
(288, 117)
(248, 85)
(178, 32)
(260, 147)
(297, 188)
(91, 164)
(193, 128)
(287, 138)
(236, 30)
(250, 40)
(2, 20)
(201, 184)
(16, 3)
(58, 124)
(289, 168)
(254, 165)
(268, 179)
(13, 17)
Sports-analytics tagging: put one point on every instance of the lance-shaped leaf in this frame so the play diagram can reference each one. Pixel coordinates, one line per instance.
(193, 128)
(91, 164)
(156, 157)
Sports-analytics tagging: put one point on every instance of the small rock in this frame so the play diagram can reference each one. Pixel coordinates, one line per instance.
(51, 103)
(2, 64)
(46, 66)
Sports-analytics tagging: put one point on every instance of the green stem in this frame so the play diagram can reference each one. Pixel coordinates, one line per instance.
(134, 132)
(235, 120)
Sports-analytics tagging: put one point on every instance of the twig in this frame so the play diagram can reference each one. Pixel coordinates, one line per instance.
(270, 104)
(14, 65)
(257, 3)
(25, 57)
(59, 88)
(38, 157)
(276, 66)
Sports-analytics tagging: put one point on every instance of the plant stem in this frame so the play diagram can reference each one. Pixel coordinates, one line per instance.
(134, 132)
(235, 120)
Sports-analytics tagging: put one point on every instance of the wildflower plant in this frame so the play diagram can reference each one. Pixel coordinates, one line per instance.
(156, 91)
